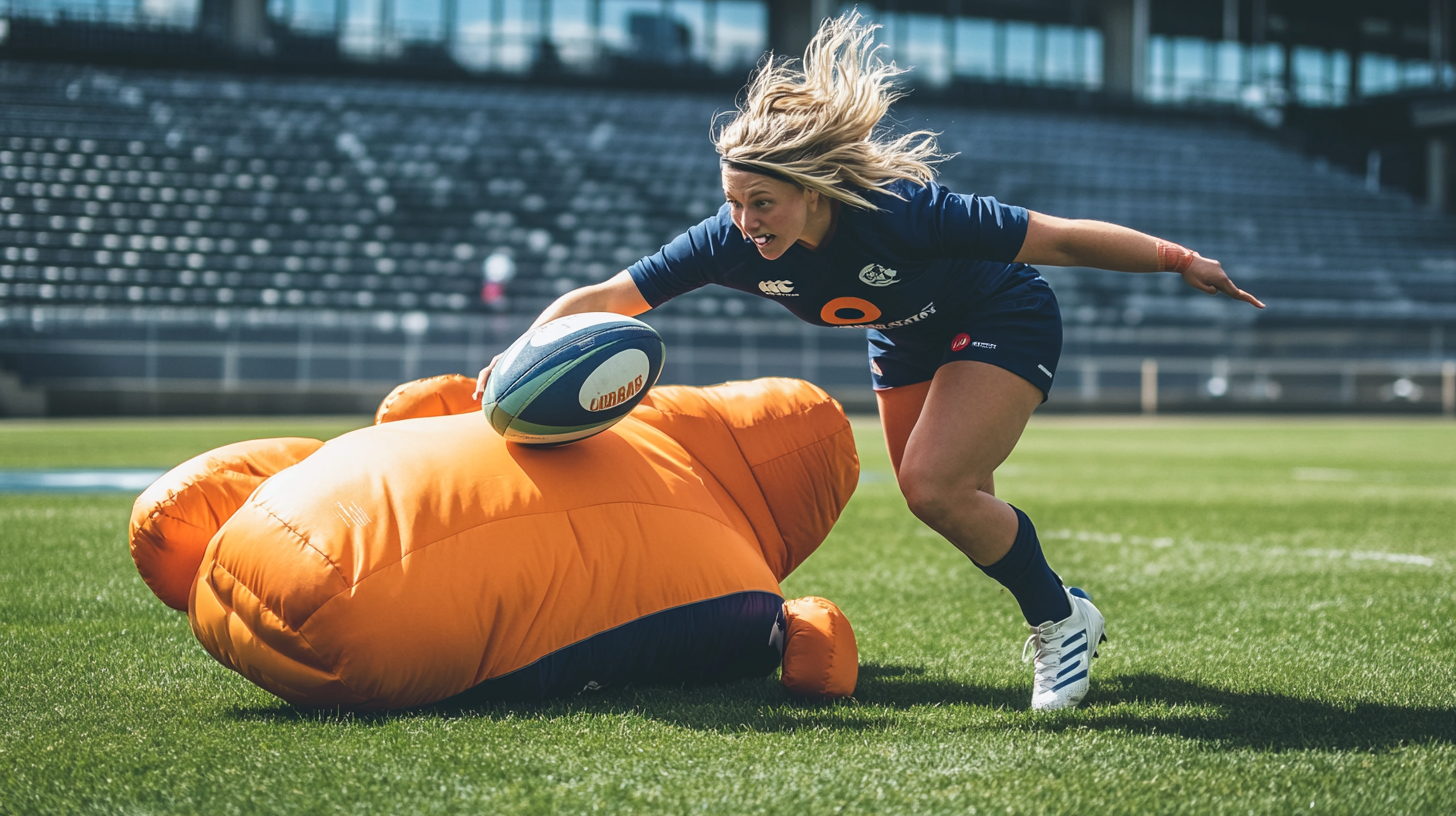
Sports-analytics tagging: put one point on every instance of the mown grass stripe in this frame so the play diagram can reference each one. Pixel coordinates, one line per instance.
(1261, 663)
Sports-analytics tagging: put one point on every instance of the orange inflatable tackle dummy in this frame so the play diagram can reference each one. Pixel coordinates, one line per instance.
(424, 557)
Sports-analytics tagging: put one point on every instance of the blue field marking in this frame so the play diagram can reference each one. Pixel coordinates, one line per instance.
(92, 480)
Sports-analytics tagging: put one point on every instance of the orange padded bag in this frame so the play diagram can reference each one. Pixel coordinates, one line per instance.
(410, 561)
(174, 518)
(820, 655)
(432, 396)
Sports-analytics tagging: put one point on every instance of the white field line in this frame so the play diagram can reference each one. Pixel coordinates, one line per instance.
(1324, 474)
(1319, 474)
(1307, 554)
(1313, 474)
(1163, 542)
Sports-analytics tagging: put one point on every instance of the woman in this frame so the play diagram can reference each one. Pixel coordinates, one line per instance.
(846, 227)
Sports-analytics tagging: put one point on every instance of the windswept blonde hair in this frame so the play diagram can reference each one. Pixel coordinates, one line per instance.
(815, 121)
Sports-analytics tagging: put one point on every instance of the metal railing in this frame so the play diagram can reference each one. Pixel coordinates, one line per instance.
(101, 350)
(1219, 382)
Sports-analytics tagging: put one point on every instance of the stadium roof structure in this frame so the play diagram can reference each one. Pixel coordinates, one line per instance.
(1411, 29)
(1405, 28)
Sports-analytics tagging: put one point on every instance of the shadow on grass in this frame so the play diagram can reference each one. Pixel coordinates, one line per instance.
(889, 695)
(1258, 719)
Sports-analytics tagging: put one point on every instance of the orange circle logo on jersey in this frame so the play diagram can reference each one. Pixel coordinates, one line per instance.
(831, 312)
(961, 341)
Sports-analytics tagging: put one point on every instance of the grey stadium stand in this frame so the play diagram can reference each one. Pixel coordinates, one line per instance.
(167, 217)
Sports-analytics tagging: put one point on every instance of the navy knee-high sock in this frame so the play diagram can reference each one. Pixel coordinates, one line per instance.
(1024, 571)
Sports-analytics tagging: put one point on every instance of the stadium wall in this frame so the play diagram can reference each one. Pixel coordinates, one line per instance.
(172, 362)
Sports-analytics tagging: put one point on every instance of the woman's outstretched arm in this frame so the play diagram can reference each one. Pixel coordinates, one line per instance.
(1052, 241)
(618, 294)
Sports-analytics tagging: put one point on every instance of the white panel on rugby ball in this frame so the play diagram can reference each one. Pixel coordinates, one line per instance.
(572, 377)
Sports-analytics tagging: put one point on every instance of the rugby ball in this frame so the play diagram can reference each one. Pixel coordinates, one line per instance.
(571, 378)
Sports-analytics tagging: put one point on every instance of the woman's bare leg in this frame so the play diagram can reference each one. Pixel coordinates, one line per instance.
(950, 442)
(946, 440)
(899, 411)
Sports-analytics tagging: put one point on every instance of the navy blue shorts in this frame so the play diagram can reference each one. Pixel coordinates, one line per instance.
(1019, 330)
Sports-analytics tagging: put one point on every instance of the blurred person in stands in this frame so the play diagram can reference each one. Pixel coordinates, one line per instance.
(844, 224)
(496, 271)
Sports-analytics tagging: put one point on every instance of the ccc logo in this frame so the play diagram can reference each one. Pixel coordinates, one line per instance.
(847, 311)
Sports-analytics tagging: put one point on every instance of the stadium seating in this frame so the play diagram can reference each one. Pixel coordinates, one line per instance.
(286, 195)
(149, 188)
(1305, 237)
(155, 187)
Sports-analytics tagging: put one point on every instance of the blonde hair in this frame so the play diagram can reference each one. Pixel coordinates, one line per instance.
(815, 121)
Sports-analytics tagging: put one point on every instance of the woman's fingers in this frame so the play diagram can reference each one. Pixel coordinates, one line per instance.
(1207, 275)
(1238, 294)
(483, 376)
(1223, 284)
(480, 381)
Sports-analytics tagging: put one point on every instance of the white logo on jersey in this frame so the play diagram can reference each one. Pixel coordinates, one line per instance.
(876, 275)
(923, 314)
(782, 288)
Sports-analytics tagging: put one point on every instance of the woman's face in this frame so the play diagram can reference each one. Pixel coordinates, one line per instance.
(770, 212)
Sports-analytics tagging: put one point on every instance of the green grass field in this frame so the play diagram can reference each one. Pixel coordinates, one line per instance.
(1279, 597)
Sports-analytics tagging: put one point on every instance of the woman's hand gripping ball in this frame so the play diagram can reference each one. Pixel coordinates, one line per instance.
(482, 377)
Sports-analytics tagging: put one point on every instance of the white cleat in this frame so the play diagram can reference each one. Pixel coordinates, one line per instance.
(1064, 652)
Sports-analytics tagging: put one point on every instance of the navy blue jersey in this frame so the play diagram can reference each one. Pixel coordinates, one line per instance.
(931, 252)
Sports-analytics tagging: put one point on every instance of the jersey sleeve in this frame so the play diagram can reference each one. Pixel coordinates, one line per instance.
(976, 227)
(691, 260)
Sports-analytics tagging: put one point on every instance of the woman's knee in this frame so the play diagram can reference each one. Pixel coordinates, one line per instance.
(934, 494)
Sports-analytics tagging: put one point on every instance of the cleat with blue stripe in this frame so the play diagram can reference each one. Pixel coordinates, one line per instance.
(1063, 654)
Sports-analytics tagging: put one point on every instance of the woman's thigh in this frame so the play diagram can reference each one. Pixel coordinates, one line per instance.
(899, 410)
(969, 419)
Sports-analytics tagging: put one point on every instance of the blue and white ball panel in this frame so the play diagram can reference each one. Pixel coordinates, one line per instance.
(573, 377)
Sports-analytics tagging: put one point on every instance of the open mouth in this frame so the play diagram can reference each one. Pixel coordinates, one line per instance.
(763, 240)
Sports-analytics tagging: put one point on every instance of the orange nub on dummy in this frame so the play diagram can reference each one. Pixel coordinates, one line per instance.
(821, 658)
(433, 396)
(172, 521)
(413, 560)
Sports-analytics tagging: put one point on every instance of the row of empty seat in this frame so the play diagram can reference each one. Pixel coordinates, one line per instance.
(135, 186)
